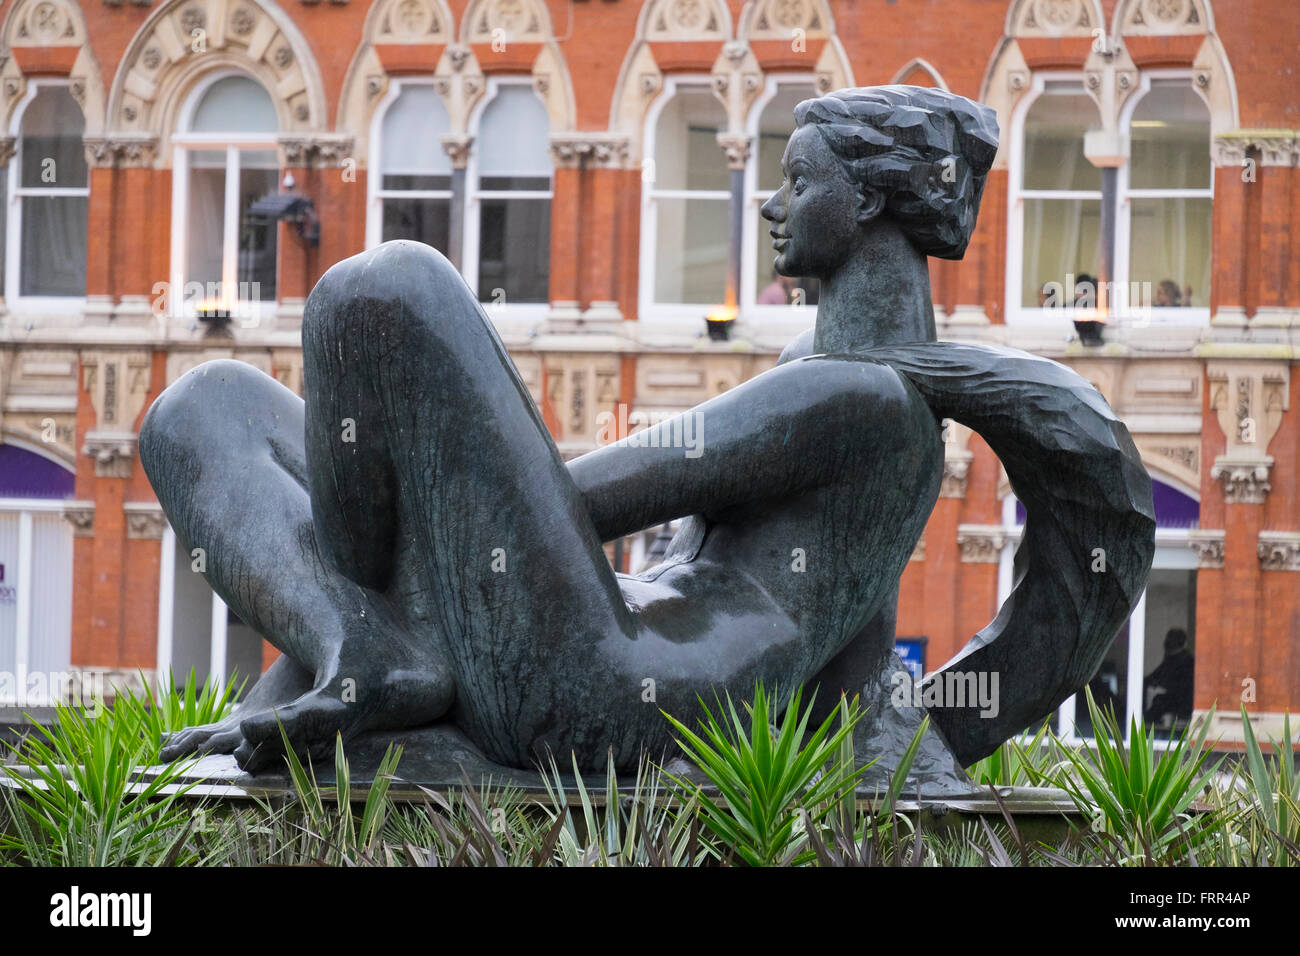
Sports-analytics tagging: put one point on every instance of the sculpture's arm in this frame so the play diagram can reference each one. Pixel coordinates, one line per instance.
(733, 449)
(623, 485)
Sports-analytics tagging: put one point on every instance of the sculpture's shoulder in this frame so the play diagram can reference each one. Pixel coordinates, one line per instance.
(801, 346)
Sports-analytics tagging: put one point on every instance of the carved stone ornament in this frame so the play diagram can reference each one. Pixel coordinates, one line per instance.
(1208, 545)
(81, 515)
(980, 544)
(144, 520)
(1245, 480)
(320, 151)
(600, 150)
(113, 453)
(736, 149)
(1279, 550)
(123, 152)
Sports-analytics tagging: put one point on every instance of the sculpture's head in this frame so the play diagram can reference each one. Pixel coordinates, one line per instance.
(913, 155)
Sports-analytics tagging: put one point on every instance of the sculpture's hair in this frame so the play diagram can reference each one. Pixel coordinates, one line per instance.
(927, 150)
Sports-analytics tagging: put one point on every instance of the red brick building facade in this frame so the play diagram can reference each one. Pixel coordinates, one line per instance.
(595, 168)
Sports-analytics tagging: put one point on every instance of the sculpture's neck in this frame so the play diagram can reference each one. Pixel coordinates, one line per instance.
(884, 301)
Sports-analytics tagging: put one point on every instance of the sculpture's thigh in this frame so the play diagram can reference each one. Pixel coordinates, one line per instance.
(223, 449)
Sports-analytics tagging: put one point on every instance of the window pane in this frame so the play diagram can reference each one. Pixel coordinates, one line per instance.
(257, 238)
(237, 104)
(1062, 237)
(419, 182)
(1109, 686)
(508, 183)
(424, 220)
(205, 220)
(771, 289)
(774, 129)
(687, 154)
(1170, 251)
(412, 133)
(54, 245)
(52, 154)
(1054, 132)
(514, 250)
(1170, 653)
(515, 135)
(1170, 140)
(691, 263)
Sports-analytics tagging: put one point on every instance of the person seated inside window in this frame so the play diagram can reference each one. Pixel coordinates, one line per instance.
(1168, 295)
(1085, 292)
(1172, 681)
(780, 291)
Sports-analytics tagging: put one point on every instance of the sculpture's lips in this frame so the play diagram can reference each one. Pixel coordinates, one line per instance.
(779, 241)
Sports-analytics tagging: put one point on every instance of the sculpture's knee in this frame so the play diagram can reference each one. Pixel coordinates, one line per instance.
(391, 291)
(206, 410)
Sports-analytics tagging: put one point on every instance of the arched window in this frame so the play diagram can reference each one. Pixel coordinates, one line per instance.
(508, 226)
(774, 122)
(50, 191)
(1058, 194)
(1169, 196)
(413, 192)
(687, 194)
(225, 160)
(1157, 204)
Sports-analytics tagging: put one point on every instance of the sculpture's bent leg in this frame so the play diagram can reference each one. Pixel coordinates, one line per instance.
(223, 448)
(420, 437)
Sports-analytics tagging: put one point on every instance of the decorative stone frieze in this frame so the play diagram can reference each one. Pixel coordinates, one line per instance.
(1208, 545)
(980, 544)
(1279, 550)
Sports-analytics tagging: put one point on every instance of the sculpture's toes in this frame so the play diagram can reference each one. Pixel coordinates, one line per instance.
(220, 738)
(311, 724)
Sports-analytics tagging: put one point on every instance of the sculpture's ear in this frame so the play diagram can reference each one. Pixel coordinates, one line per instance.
(871, 203)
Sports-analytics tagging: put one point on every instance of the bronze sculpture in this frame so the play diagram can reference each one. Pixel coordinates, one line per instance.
(409, 537)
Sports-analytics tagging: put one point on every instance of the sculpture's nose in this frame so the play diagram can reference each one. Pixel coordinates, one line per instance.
(773, 210)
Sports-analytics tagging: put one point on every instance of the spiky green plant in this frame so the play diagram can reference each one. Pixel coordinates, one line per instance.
(771, 782)
(1011, 764)
(637, 827)
(344, 838)
(76, 797)
(1138, 797)
(172, 708)
(1261, 804)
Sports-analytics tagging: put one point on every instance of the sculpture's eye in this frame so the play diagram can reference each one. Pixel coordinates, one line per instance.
(800, 184)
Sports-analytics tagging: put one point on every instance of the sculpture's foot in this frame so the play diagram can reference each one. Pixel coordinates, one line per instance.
(222, 737)
(361, 691)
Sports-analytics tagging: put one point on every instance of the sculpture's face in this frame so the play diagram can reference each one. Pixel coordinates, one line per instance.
(816, 215)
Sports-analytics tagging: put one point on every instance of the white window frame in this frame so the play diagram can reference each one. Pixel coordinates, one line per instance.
(1015, 312)
(473, 200)
(688, 316)
(1198, 316)
(183, 142)
(25, 508)
(1018, 314)
(375, 193)
(32, 304)
(799, 317)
